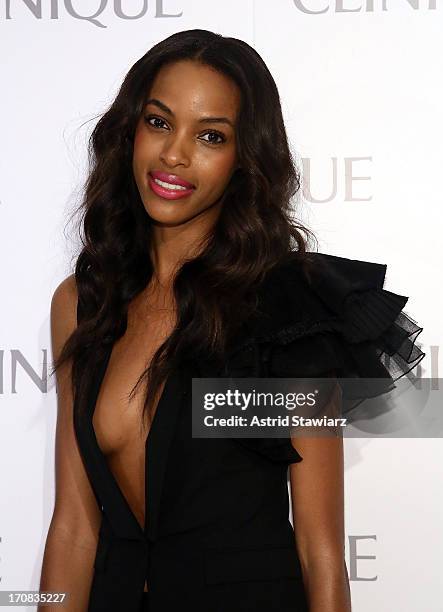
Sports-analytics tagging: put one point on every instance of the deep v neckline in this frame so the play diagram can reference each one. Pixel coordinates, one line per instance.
(101, 457)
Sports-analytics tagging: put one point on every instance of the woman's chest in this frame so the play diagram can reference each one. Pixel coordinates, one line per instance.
(117, 416)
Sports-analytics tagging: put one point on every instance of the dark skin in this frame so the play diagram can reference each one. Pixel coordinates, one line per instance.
(317, 491)
(176, 142)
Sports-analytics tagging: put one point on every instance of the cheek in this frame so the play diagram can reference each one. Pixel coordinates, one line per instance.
(142, 151)
(144, 144)
(138, 137)
(217, 170)
(140, 146)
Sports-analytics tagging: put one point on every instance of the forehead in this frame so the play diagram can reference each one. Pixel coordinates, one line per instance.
(189, 87)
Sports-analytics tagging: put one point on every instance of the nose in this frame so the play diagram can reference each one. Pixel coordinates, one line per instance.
(175, 151)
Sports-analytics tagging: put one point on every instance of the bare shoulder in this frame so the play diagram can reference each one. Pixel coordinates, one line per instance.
(64, 298)
(63, 311)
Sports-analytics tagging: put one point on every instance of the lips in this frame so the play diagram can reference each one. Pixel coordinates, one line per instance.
(171, 193)
(171, 178)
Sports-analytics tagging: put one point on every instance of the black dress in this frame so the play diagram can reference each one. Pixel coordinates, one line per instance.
(217, 535)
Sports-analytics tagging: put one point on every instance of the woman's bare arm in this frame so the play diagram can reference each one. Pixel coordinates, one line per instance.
(317, 491)
(73, 532)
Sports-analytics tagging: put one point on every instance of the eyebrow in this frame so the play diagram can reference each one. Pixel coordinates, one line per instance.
(168, 111)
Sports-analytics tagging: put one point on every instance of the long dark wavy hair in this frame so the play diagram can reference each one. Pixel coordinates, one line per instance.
(253, 233)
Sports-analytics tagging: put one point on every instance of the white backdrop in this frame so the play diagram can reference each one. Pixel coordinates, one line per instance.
(360, 82)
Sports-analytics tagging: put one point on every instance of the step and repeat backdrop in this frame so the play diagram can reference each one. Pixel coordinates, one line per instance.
(361, 88)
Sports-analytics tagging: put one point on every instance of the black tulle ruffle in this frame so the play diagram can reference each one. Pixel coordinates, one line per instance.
(349, 327)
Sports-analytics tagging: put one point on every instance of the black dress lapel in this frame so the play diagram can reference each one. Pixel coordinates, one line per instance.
(158, 446)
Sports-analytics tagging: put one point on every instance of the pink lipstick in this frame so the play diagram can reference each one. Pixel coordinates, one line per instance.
(169, 186)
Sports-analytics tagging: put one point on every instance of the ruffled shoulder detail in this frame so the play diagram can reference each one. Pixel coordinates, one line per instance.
(360, 329)
(331, 318)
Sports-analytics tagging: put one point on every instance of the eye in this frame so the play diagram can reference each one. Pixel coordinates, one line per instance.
(219, 135)
(149, 117)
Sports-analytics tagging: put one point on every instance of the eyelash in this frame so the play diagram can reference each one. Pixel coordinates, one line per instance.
(219, 134)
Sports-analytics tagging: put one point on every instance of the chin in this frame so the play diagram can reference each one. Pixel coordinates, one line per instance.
(166, 214)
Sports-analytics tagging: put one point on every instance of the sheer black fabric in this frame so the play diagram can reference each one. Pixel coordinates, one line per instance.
(361, 333)
(333, 319)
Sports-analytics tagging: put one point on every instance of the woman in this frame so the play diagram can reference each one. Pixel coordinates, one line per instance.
(193, 267)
